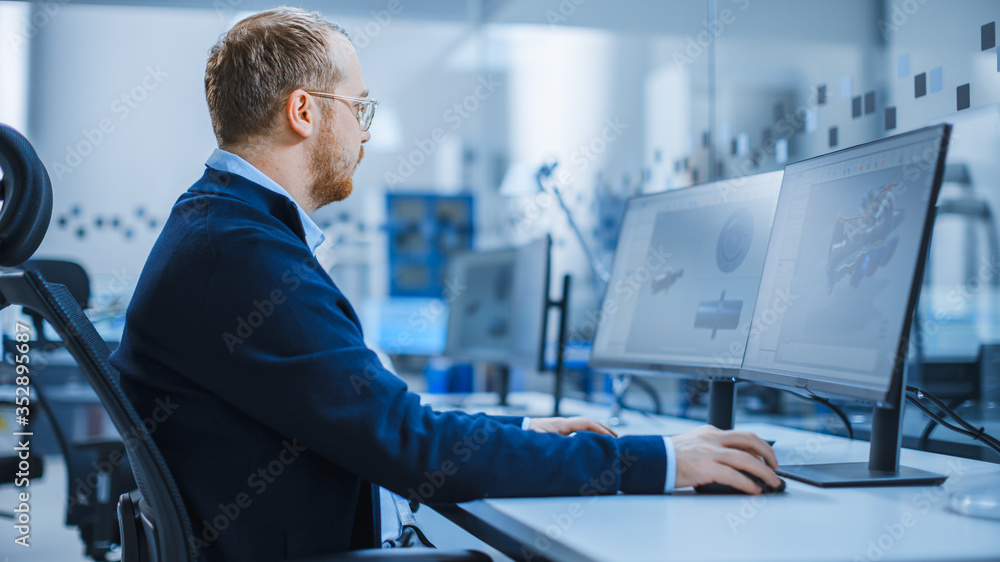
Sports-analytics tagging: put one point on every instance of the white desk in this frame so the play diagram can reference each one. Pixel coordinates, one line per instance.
(806, 523)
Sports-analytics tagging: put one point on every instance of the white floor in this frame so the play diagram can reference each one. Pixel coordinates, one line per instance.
(49, 539)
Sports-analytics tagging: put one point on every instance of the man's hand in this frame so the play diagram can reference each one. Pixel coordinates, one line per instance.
(565, 426)
(707, 454)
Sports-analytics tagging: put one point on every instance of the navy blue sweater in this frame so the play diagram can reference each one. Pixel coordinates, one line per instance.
(274, 416)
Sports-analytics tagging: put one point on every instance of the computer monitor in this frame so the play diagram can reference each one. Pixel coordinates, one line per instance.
(840, 283)
(684, 278)
(684, 282)
(407, 325)
(498, 303)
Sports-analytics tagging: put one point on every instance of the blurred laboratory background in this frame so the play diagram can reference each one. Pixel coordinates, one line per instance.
(508, 124)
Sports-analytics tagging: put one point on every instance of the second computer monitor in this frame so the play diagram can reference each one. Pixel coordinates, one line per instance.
(840, 280)
(685, 278)
(497, 304)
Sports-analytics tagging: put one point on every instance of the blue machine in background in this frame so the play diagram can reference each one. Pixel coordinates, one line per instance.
(423, 231)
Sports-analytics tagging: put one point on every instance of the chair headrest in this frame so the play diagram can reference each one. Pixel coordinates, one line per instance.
(27, 198)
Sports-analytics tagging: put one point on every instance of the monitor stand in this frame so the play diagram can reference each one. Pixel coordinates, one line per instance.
(562, 306)
(882, 468)
(722, 403)
(501, 372)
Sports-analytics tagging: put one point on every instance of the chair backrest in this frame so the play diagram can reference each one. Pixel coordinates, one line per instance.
(61, 310)
(68, 273)
(24, 218)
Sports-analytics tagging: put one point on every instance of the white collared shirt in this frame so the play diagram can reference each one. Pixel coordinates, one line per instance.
(225, 161)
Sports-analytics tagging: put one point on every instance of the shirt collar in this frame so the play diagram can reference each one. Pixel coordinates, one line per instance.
(225, 161)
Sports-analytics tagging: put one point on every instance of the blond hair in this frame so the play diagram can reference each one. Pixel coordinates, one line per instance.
(256, 64)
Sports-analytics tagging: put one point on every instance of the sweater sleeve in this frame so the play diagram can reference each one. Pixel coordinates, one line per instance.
(511, 420)
(281, 344)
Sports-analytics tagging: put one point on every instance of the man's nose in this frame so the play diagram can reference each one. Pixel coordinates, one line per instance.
(365, 135)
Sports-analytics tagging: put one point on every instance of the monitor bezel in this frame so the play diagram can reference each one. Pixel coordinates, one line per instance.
(864, 393)
(711, 372)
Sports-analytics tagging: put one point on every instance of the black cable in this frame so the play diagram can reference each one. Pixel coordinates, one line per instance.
(978, 434)
(648, 388)
(986, 439)
(830, 405)
(929, 428)
(940, 404)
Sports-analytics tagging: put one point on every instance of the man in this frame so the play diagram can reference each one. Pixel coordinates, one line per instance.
(279, 419)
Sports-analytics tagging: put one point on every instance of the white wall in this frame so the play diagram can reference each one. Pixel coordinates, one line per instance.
(118, 115)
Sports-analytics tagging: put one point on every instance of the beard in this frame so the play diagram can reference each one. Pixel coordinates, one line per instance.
(332, 180)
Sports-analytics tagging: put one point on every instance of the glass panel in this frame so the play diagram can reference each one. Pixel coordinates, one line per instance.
(799, 79)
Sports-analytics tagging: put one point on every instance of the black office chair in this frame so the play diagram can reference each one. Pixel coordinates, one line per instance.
(26, 194)
(68, 273)
(154, 522)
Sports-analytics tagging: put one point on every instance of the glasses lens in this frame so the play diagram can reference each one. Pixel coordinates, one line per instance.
(365, 113)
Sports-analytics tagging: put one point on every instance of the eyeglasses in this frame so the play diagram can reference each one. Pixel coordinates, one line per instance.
(365, 109)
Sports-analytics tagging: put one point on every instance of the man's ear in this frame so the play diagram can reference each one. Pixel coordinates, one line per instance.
(301, 112)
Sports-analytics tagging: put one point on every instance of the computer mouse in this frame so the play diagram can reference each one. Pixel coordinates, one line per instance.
(716, 488)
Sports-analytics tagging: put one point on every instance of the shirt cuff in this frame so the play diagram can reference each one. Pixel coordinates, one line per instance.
(526, 423)
(671, 482)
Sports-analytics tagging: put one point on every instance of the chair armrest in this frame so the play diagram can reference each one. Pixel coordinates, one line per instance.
(103, 446)
(8, 468)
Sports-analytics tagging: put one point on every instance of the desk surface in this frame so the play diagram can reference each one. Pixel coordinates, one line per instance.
(806, 523)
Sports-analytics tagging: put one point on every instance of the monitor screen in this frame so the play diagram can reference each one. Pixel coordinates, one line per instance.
(838, 290)
(406, 325)
(685, 277)
(497, 304)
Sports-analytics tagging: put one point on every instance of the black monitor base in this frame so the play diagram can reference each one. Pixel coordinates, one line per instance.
(858, 474)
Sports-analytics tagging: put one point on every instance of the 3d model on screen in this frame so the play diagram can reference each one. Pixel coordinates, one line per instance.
(663, 281)
(734, 240)
(718, 314)
(861, 243)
